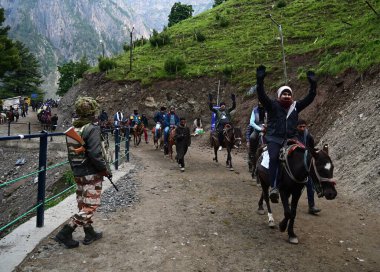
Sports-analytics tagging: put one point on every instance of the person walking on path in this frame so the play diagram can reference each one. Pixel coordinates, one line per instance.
(54, 122)
(308, 140)
(144, 120)
(89, 167)
(182, 142)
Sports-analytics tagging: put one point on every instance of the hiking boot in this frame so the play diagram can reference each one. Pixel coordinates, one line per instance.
(274, 195)
(220, 148)
(91, 235)
(65, 236)
(314, 210)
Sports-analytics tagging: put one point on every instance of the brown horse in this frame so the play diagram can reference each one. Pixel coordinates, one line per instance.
(137, 133)
(171, 142)
(158, 140)
(10, 116)
(231, 139)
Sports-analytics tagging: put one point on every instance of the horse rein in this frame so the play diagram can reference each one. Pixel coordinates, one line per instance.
(286, 164)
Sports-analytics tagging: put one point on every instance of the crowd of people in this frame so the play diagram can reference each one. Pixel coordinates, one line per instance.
(273, 122)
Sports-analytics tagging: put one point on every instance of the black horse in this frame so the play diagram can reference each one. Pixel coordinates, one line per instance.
(297, 164)
(232, 139)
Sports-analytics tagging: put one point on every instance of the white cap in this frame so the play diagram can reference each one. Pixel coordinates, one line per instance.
(284, 88)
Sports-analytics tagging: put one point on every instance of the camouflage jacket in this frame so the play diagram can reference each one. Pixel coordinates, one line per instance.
(92, 161)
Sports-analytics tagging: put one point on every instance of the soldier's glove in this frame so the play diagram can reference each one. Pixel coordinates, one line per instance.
(260, 73)
(312, 79)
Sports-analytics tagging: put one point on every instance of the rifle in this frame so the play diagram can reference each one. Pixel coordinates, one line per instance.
(113, 184)
(71, 133)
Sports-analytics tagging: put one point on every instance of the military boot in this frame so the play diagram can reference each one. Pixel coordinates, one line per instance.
(91, 235)
(65, 236)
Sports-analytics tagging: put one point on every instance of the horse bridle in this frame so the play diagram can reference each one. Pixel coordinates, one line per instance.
(284, 158)
(322, 179)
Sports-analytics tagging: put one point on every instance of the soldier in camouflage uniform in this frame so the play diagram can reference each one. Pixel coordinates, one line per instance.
(89, 168)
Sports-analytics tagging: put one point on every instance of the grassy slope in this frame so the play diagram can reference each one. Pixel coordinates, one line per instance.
(313, 26)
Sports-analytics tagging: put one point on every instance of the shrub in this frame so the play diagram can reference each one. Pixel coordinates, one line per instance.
(159, 39)
(126, 47)
(199, 36)
(223, 21)
(174, 64)
(227, 70)
(281, 4)
(106, 64)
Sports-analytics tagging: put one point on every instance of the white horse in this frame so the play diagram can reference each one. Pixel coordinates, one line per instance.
(3, 118)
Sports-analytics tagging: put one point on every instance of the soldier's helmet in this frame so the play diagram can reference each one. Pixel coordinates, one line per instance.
(86, 106)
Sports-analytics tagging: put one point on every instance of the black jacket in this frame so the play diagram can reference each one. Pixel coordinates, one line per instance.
(279, 126)
(182, 135)
(307, 139)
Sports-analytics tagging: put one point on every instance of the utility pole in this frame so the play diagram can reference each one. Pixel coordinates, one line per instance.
(102, 43)
(282, 45)
(130, 49)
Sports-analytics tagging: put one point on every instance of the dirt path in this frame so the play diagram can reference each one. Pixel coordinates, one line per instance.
(205, 220)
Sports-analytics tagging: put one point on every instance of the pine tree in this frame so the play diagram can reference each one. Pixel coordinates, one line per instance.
(26, 78)
(9, 55)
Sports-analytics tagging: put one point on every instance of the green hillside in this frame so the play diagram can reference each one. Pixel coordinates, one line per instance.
(334, 34)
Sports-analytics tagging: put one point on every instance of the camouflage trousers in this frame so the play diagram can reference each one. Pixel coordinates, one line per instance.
(88, 193)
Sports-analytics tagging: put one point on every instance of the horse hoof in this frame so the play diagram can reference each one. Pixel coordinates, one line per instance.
(261, 211)
(271, 224)
(293, 240)
(231, 169)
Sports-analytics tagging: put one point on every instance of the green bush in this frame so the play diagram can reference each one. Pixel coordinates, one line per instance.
(106, 64)
(199, 36)
(174, 64)
(126, 47)
(223, 21)
(281, 4)
(227, 70)
(159, 39)
(68, 177)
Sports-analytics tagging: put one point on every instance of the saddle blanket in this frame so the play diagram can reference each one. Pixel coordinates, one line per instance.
(265, 161)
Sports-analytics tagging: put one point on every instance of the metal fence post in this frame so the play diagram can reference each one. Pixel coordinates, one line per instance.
(42, 179)
(127, 144)
(9, 128)
(29, 129)
(117, 148)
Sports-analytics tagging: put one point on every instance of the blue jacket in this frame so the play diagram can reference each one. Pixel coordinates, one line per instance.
(160, 117)
(280, 124)
(167, 120)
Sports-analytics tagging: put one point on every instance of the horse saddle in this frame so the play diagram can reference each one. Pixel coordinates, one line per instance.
(289, 146)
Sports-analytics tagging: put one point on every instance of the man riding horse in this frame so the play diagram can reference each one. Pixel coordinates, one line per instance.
(256, 126)
(223, 117)
(171, 121)
(282, 121)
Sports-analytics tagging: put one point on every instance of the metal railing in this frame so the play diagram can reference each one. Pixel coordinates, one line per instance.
(42, 169)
